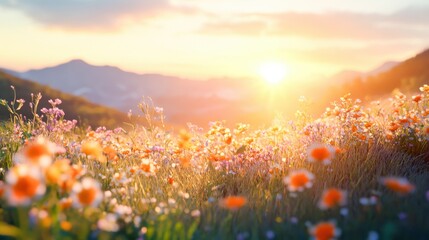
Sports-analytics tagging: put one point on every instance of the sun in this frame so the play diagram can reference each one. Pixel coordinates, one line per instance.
(273, 72)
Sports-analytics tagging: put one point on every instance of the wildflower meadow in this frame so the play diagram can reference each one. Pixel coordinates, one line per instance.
(359, 171)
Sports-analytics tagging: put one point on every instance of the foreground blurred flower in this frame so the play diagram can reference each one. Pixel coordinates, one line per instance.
(86, 193)
(325, 231)
(321, 153)
(37, 152)
(93, 149)
(233, 202)
(332, 197)
(299, 180)
(58, 171)
(398, 184)
(24, 183)
(2, 188)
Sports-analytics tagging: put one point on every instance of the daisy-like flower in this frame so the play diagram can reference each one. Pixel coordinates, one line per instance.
(322, 153)
(332, 197)
(424, 88)
(233, 202)
(299, 180)
(38, 152)
(24, 183)
(324, 231)
(86, 193)
(147, 166)
(399, 185)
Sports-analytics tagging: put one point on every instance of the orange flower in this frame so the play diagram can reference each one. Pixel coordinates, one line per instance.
(110, 152)
(147, 166)
(233, 202)
(86, 193)
(2, 188)
(66, 226)
(325, 231)
(65, 203)
(184, 139)
(93, 149)
(38, 152)
(321, 153)
(57, 171)
(299, 180)
(24, 183)
(393, 126)
(332, 197)
(228, 139)
(417, 98)
(398, 184)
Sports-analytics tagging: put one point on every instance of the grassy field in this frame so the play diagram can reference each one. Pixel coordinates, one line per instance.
(360, 171)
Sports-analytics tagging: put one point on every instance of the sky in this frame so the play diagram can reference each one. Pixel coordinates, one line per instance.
(204, 39)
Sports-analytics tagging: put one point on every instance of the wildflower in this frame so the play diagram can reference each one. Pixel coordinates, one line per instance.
(367, 201)
(299, 180)
(195, 213)
(233, 202)
(325, 231)
(393, 126)
(417, 98)
(24, 183)
(93, 149)
(2, 188)
(424, 88)
(66, 203)
(110, 152)
(184, 139)
(399, 185)
(66, 226)
(38, 152)
(170, 180)
(108, 223)
(332, 197)
(147, 166)
(57, 171)
(86, 193)
(321, 153)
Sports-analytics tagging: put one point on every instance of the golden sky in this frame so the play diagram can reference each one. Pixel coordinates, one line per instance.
(203, 39)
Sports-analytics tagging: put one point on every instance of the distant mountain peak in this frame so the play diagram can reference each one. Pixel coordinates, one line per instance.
(76, 62)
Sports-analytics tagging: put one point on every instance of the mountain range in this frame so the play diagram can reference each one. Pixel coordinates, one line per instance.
(182, 99)
(186, 100)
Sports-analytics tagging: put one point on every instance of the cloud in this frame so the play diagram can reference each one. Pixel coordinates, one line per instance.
(406, 23)
(355, 56)
(96, 14)
(246, 27)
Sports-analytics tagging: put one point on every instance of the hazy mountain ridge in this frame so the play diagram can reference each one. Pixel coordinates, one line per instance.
(346, 76)
(123, 90)
(406, 76)
(199, 102)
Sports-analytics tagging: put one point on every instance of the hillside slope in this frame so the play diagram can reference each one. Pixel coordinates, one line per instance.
(75, 107)
(406, 76)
